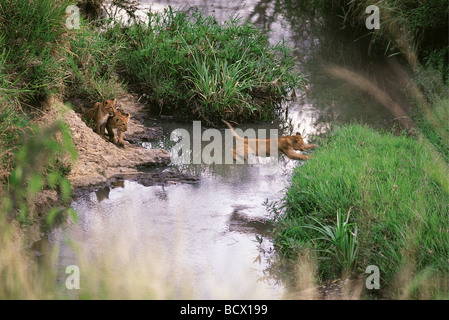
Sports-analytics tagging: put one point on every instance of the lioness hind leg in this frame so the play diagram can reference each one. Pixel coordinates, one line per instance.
(238, 157)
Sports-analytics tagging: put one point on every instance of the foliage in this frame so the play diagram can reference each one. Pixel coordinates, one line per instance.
(48, 145)
(341, 241)
(433, 125)
(385, 181)
(34, 36)
(13, 122)
(92, 62)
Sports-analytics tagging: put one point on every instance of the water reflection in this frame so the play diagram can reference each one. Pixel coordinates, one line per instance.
(209, 228)
(102, 193)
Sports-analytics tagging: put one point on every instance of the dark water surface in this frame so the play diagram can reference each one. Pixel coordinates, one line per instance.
(213, 235)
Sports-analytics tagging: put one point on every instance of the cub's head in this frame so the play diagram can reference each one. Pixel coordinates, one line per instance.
(109, 106)
(120, 120)
(297, 141)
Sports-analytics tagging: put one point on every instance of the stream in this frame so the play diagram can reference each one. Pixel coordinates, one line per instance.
(211, 238)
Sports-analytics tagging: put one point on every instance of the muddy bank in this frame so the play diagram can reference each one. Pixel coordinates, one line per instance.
(100, 162)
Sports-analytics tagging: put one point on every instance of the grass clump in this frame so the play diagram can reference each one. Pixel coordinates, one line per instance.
(433, 124)
(192, 64)
(34, 39)
(341, 239)
(92, 61)
(393, 189)
(43, 57)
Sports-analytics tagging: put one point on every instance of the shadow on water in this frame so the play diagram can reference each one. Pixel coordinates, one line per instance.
(221, 217)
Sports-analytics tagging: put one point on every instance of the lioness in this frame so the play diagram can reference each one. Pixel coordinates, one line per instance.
(286, 145)
(118, 121)
(99, 115)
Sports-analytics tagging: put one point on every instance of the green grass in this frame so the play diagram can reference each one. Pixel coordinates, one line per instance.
(92, 63)
(13, 122)
(34, 39)
(434, 125)
(341, 241)
(49, 59)
(396, 190)
(194, 65)
(30, 177)
(416, 30)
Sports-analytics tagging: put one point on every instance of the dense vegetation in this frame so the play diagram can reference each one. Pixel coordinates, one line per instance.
(33, 42)
(33, 45)
(193, 64)
(407, 27)
(374, 198)
(370, 198)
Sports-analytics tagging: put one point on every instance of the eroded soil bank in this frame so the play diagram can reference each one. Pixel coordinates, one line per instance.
(100, 162)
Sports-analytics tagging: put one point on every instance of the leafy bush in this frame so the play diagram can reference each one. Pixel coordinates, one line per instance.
(48, 145)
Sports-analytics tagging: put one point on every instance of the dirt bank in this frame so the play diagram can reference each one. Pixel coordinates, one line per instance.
(99, 160)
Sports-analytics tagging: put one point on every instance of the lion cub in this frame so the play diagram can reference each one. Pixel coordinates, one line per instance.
(118, 121)
(99, 115)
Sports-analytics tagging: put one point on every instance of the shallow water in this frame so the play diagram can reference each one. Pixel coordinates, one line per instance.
(213, 235)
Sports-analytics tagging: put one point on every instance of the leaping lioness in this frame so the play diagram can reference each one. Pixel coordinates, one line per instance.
(286, 145)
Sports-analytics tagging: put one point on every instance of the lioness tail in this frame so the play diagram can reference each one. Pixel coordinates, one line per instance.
(232, 129)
